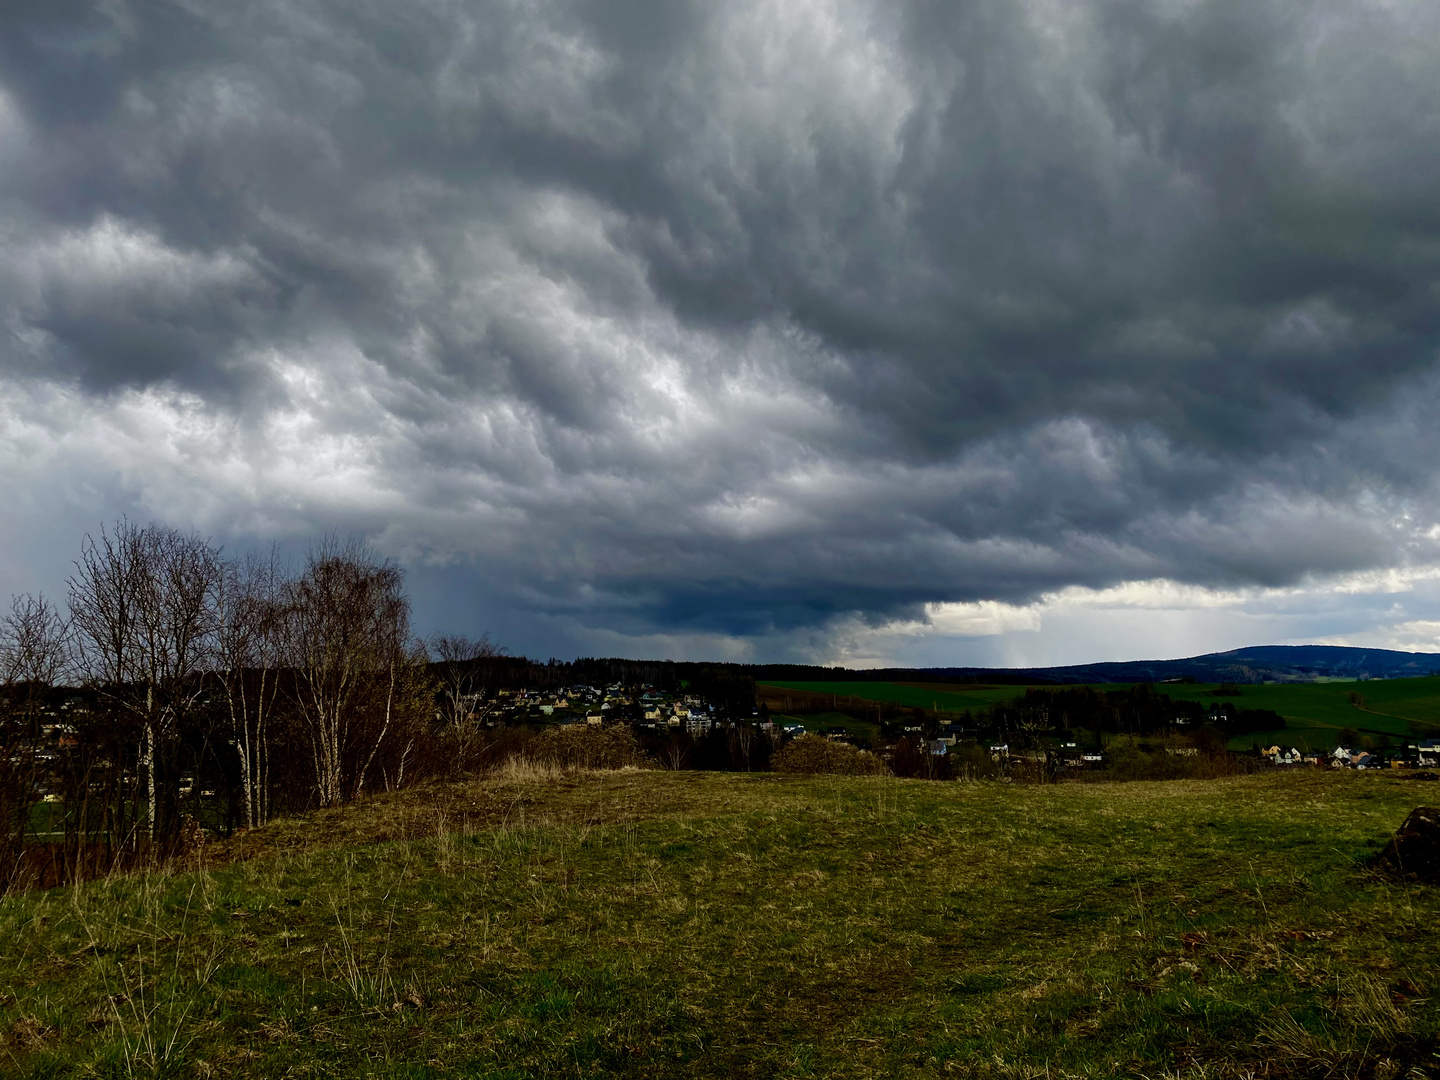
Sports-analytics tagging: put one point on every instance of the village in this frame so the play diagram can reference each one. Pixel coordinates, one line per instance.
(642, 706)
(654, 711)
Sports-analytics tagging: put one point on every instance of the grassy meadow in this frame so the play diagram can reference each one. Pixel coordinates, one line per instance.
(643, 923)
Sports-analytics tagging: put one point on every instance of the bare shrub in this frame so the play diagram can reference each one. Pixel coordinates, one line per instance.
(459, 666)
(588, 747)
(814, 754)
(1126, 762)
(971, 762)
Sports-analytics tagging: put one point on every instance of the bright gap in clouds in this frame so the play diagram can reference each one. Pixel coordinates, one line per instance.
(1154, 620)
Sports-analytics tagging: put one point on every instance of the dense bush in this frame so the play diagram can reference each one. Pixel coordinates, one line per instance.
(458, 750)
(971, 762)
(1126, 762)
(588, 747)
(815, 754)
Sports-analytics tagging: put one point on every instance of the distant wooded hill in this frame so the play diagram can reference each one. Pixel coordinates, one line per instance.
(1256, 664)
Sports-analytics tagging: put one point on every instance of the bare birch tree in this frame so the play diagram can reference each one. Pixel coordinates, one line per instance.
(347, 635)
(460, 669)
(142, 603)
(103, 605)
(32, 661)
(250, 608)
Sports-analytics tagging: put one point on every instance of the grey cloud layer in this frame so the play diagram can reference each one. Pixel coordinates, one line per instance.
(746, 317)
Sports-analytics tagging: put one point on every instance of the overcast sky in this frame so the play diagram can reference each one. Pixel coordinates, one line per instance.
(938, 333)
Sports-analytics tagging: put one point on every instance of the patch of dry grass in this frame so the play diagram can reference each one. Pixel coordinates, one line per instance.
(525, 770)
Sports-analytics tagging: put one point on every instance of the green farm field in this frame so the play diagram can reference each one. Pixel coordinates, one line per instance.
(656, 924)
(1391, 706)
(1314, 712)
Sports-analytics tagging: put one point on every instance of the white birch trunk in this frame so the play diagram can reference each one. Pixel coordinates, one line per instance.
(150, 780)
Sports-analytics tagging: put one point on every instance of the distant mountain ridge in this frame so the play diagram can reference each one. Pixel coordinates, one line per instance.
(1255, 664)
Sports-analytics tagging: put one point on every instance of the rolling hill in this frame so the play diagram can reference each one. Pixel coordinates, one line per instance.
(1254, 664)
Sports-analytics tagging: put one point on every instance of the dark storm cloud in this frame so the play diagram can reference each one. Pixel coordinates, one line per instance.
(703, 317)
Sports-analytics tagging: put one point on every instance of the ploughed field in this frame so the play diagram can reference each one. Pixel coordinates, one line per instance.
(701, 924)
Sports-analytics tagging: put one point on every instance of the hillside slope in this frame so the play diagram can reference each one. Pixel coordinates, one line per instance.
(659, 924)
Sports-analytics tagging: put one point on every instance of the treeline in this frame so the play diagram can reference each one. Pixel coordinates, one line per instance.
(179, 690)
(1050, 713)
(1139, 710)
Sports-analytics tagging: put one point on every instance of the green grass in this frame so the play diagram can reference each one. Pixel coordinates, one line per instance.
(1414, 699)
(671, 924)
